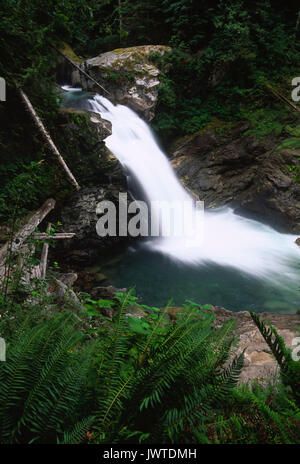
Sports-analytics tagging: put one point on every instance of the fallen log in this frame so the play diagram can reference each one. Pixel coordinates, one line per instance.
(47, 137)
(26, 230)
(59, 236)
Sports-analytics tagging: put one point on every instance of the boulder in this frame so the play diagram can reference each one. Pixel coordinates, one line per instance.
(128, 75)
(68, 279)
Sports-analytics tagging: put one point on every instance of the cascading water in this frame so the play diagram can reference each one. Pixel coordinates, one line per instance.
(230, 242)
(228, 239)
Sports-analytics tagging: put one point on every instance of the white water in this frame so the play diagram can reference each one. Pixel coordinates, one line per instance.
(68, 88)
(229, 239)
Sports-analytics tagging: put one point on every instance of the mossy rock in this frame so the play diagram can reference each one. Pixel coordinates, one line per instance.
(69, 53)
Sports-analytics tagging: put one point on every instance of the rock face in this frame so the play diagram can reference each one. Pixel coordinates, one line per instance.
(79, 215)
(80, 135)
(243, 171)
(128, 75)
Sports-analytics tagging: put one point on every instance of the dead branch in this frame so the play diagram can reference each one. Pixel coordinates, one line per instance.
(58, 236)
(27, 230)
(47, 137)
(282, 98)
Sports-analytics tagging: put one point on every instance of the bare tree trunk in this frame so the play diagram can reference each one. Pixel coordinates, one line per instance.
(27, 230)
(47, 137)
(44, 256)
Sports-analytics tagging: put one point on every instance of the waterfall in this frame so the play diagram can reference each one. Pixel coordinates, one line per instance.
(228, 239)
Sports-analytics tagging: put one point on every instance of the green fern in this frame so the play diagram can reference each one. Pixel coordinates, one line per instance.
(186, 368)
(42, 382)
(179, 386)
(290, 369)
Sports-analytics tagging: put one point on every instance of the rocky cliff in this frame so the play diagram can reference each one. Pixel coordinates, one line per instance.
(234, 167)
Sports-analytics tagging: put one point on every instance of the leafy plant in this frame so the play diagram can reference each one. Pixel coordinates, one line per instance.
(140, 379)
(290, 369)
(42, 384)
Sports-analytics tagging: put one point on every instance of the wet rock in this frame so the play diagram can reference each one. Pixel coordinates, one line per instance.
(65, 72)
(80, 135)
(260, 364)
(238, 169)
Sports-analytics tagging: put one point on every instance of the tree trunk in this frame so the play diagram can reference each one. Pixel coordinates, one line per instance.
(47, 137)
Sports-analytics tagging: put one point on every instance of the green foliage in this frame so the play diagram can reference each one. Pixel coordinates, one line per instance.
(260, 414)
(42, 384)
(292, 143)
(26, 185)
(140, 379)
(168, 384)
(200, 78)
(267, 120)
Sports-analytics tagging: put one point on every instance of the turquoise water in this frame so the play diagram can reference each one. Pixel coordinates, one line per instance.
(157, 279)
